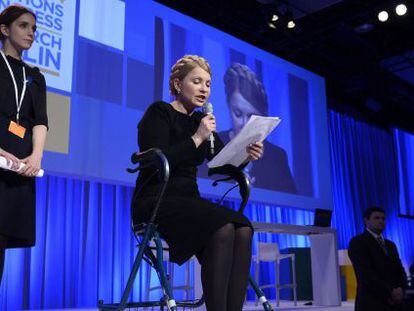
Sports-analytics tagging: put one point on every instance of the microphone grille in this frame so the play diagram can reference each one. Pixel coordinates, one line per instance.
(208, 108)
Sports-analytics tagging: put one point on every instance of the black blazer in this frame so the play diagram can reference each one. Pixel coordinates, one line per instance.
(377, 273)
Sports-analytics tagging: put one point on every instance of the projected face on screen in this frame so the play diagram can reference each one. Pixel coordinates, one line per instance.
(240, 111)
(245, 97)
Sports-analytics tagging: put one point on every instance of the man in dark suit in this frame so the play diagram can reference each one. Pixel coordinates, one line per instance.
(381, 278)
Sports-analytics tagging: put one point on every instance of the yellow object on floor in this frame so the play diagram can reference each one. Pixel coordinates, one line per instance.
(350, 281)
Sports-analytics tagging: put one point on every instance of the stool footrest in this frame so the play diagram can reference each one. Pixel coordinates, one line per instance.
(160, 303)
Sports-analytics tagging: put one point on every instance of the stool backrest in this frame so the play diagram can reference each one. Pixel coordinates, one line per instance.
(152, 158)
(268, 251)
(237, 174)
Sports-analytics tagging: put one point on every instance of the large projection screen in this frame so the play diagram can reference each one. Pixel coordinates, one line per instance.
(104, 66)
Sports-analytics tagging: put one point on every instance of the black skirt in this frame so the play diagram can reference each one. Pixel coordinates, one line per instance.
(186, 223)
(17, 209)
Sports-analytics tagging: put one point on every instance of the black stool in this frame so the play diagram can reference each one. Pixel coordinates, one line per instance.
(145, 232)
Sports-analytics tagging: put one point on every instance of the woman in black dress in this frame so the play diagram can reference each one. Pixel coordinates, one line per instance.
(219, 237)
(23, 127)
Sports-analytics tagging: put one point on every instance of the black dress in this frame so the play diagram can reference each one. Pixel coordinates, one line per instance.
(17, 193)
(185, 220)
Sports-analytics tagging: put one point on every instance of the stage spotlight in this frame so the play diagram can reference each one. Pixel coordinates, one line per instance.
(291, 24)
(271, 25)
(383, 16)
(401, 9)
(274, 18)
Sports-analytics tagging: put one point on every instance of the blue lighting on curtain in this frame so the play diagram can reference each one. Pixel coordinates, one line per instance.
(404, 144)
(365, 172)
(85, 247)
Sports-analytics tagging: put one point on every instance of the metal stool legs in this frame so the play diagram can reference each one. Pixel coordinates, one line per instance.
(260, 295)
(171, 304)
(149, 233)
(186, 288)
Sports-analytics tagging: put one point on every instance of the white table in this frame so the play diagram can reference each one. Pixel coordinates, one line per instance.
(324, 258)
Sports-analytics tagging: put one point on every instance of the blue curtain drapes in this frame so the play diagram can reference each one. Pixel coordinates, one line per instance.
(364, 168)
(404, 144)
(83, 251)
(85, 248)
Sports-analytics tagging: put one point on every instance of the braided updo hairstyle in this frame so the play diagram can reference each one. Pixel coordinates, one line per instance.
(183, 66)
(241, 78)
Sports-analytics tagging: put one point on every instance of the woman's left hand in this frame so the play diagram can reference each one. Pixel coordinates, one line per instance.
(255, 151)
(32, 165)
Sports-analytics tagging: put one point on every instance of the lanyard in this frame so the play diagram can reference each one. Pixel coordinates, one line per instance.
(16, 90)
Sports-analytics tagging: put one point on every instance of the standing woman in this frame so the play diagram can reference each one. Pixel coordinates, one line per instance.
(23, 127)
(219, 237)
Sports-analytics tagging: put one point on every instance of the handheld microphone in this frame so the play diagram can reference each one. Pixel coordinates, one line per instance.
(208, 109)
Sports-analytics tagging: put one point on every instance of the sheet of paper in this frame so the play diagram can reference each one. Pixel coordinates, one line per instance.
(8, 166)
(255, 130)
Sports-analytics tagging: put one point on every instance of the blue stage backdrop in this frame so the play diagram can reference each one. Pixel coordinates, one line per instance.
(85, 247)
(404, 143)
(105, 62)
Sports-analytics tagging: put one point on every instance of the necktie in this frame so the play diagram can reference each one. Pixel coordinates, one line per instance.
(381, 242)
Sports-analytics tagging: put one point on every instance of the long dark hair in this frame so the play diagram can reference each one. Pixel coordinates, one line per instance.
(10, 14)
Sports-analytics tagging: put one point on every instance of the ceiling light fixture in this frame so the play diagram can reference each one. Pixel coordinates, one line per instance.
(401, 9)
(291, 24)
(383, 16)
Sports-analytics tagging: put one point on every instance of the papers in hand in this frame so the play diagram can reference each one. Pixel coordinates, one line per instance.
(255, 130)
(8, 166)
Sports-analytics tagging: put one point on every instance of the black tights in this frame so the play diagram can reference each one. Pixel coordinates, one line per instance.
(225, 265)
(3, 244)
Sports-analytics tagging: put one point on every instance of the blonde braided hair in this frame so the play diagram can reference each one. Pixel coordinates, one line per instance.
(183, 66)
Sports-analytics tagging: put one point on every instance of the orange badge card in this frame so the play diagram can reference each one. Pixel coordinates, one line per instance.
(17, 129)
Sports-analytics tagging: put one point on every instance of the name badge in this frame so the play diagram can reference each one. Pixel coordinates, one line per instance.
(17, 129)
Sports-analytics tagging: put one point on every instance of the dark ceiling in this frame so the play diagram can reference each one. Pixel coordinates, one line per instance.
(369, 75)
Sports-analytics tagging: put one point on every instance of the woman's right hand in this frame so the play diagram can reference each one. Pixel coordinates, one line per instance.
(10, 159)
(206, 127)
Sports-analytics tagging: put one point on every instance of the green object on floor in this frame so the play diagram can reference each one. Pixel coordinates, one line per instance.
(303, 269)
